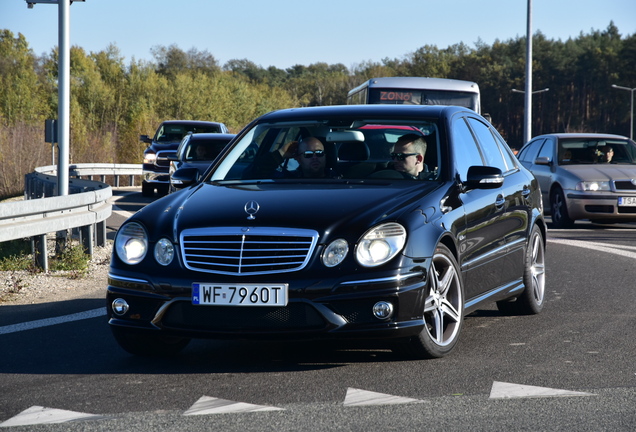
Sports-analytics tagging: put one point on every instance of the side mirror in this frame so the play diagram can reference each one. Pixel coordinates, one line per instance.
(484, 177)
(145, 138)
(184, 177)
(543, 160)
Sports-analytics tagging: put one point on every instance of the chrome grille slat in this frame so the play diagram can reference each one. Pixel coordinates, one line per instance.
(247, 251)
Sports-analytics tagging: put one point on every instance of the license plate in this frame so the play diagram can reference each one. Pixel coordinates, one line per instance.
(627, 201)
(239, 294)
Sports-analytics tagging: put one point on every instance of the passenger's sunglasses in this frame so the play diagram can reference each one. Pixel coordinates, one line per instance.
(309, 154)
(401, 156)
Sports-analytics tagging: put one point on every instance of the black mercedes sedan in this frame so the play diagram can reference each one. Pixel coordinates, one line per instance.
(380, 223)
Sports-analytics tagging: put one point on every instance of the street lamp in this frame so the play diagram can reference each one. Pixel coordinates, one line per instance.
(527, 124)
(631, 113)
(534, 92)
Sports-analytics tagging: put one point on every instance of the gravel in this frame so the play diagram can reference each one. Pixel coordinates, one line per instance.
(23, 287)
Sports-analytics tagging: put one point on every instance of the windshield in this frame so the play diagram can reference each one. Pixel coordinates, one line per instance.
(360, 149)
(594, 151)
(176, 132)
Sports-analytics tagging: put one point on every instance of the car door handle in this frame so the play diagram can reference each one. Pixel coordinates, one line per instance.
(526, 191)
(500, 202)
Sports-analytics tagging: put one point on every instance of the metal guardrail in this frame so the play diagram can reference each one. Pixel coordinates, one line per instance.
(86, 207)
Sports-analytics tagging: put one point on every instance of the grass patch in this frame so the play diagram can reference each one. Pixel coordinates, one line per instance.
(72, 259)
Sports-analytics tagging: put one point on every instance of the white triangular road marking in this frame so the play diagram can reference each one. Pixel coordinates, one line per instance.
(357, 397)
(210, 405)
(501, 390)
(41, 415)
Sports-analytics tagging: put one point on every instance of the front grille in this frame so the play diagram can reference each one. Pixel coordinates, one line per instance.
(293, 317)
(626, 185)
(162, 160)
(247, 251)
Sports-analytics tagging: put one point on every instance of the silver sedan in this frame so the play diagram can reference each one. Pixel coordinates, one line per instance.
(584, 176)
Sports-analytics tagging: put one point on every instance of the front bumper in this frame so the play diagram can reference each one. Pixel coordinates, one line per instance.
(599, 206)
(344, 312)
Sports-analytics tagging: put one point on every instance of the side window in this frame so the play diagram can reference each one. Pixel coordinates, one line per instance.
(490, 148)
(465, 149)
(529, 152)
(547, 150)
(508, 156)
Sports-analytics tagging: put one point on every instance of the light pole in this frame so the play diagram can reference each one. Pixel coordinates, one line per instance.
(631, 112)
(64, 88)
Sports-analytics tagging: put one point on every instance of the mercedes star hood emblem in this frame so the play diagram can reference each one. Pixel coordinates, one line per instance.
(251, 207)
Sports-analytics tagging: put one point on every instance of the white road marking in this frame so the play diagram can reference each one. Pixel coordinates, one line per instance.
(502, 390)
(210, 405)
(30, 325)
(357, 397)
(622, 250)
(41, 415)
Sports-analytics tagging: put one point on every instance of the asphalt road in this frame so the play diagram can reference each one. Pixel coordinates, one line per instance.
(570, 368)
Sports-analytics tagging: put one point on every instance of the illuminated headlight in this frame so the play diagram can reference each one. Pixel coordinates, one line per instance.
(150, 158)
(380, 244)
(164, 251)
(131, 243)
(335, 253)
(593, 186)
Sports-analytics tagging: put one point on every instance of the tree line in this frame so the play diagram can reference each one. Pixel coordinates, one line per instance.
(114, 101)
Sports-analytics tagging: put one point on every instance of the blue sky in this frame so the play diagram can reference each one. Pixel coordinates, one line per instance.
(284, 33)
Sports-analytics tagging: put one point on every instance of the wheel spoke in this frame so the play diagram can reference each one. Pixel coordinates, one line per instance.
(438, 326)
(429, 304)
(449, 310)
(446, 281)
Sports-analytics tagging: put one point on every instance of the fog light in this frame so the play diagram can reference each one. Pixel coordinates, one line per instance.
(120, 307)
(382, 310)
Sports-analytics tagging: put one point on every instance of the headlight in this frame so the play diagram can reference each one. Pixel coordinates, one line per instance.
(164, 251)
(380, 244)
(150, 158)
(131, 243)
(335, 252)
(593, 186)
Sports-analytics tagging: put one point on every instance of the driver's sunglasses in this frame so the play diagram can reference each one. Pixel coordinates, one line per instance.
(309, 153)
(401, 156)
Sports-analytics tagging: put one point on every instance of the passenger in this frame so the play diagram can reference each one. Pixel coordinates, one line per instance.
(310, 154)
(408, 156)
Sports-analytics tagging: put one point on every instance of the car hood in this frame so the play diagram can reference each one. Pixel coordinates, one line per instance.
(331, 209)
(601, 172)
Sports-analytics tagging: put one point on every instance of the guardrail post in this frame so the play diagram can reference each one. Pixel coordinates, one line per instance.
(86, 238)
(38, 247)
(100, 234)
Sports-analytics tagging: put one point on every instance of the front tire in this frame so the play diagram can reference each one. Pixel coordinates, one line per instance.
(443, 310)
(147, 190)
(531, 301)
(559, 210)
(147, 344)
